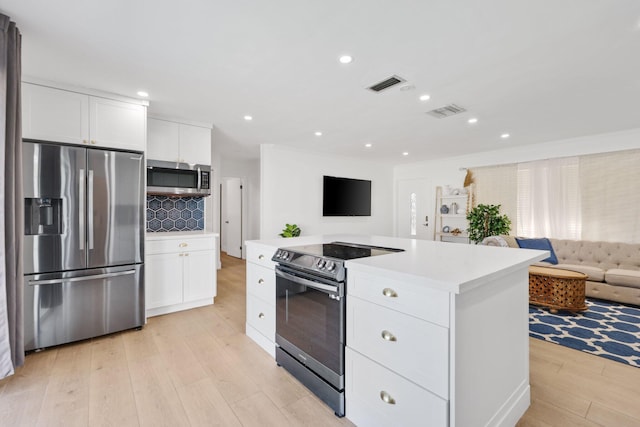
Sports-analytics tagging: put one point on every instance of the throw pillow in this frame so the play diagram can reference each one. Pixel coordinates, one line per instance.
(543, 244)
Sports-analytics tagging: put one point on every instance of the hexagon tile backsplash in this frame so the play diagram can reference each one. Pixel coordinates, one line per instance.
(175, 214)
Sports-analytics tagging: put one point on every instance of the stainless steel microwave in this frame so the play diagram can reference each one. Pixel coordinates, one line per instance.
(178, 179)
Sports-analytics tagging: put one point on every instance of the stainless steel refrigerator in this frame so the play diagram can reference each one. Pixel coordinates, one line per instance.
(83, 243)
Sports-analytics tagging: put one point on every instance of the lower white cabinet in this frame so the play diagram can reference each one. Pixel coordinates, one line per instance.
(180, 273)
(261, 296)
(377, 396)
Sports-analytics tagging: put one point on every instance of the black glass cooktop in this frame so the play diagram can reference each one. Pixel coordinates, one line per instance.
(342, 250)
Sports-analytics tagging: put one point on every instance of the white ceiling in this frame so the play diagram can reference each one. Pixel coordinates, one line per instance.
(541, 70)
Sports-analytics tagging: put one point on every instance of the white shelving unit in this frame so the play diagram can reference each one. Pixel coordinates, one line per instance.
(448, 223)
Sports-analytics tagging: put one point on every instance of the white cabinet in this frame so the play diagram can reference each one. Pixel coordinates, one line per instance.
(57, 115)
(397, 356)
(451, 215)
(180, 273)
(178, 142)
(261, 296)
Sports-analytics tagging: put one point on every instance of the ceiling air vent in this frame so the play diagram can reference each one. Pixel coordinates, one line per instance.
(386, 84)
(446, 111)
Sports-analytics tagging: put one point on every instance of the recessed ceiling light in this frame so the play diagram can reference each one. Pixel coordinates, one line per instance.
(345, 59)
(318, 133)
(248, 118)
(406, 153)
(143, 94)
(472, 121)
(505, 136)
(407, 87)
(425, 97)
(368, 145)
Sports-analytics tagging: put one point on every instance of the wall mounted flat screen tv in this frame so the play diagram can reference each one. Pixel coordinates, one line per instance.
(346, 197)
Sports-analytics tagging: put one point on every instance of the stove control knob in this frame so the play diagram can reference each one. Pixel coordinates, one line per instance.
(279, 254)
(320, 264)
(331, 265)
(284, 255)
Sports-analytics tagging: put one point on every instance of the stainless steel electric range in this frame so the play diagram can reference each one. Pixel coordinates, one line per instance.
(310, 314)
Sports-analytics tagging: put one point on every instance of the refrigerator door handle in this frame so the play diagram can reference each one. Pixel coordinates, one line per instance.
(90, 209)
(82, 214)
(80, 279)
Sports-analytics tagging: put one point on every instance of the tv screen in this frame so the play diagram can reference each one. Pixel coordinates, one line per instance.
(346, 197)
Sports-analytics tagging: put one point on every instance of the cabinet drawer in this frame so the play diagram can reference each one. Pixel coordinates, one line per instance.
(261, 282)
(172, 244)
(261, 316)
(412, 347)
(406, 404)
(410, 298)
(261, 254)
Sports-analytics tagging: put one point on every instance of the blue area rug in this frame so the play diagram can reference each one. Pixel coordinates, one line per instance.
(606, 329)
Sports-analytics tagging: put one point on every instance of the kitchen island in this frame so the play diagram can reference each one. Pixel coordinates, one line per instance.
(436, 335)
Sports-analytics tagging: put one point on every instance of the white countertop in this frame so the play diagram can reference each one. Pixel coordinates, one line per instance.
(178, 234)
(453, 267)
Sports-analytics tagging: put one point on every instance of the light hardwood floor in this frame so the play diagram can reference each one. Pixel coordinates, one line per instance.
(197, 367)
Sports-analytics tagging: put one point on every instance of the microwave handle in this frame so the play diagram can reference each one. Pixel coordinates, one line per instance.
(199, 179)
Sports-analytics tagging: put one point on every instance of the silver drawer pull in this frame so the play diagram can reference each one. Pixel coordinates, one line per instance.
(388, 336)
(261, 315)
(260, 256)
(386, 398)
(388, 292)
(260, 281)
(183, 245)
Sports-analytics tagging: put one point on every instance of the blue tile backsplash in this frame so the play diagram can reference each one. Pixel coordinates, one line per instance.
(175, 214)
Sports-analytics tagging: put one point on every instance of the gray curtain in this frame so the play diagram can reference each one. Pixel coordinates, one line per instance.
(11, 205)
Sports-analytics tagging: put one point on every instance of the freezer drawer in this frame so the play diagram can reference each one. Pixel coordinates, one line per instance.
(66, 307)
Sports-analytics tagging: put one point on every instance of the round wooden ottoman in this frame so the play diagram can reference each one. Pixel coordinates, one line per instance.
(557, 289)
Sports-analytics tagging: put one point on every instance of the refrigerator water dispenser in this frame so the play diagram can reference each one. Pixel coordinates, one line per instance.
(42, 216)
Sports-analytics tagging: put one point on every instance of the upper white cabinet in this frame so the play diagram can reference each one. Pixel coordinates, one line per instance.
(68, 117)
(178, 142)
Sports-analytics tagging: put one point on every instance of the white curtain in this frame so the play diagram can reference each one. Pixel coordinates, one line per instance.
(549, 199)
(496, 185)
(610, 197)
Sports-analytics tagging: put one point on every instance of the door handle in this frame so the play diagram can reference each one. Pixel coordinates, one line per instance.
(82, 278)
(426, 221)
(90, 209)
(83, 211)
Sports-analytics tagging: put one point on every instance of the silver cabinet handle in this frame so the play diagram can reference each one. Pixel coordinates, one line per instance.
(260, 256)
(183, 245)
(388, 292)
(388, 336)
(386, 398)
(260, 281)
(186, 254)
(261, 315)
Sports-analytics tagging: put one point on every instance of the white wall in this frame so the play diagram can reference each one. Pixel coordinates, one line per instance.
(448, 171)
(292, 192)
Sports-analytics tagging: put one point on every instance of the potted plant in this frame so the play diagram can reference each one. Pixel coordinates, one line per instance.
(485, 221)
(290, 230)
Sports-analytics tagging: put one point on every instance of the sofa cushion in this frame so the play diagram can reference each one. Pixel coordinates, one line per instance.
(543, 244)
(619, 277)
(594, 274)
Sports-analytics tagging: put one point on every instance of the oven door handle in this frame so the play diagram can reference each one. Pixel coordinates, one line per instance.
(307, 282)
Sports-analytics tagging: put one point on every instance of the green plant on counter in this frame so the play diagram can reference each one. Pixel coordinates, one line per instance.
(290, 230)
(485, 221)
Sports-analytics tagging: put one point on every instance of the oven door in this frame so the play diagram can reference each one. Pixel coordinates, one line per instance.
(310, 327)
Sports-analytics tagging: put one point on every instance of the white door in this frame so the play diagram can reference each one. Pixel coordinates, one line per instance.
(415, 209)
(232, 216)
